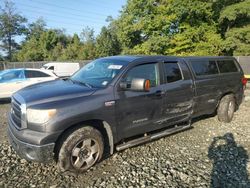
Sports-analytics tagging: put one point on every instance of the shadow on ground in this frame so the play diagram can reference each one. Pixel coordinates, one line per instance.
(229, 163)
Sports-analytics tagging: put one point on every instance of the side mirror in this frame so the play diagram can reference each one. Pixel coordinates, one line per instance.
(137, 84)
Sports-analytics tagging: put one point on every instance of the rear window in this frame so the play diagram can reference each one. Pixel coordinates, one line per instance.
(173, 72)
(203, 67)
(51, 68)
(35, 74)
(226, 66)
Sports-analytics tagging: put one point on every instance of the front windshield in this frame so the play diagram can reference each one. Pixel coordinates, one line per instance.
(99, 73)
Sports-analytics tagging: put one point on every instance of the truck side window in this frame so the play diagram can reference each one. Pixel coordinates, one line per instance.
(227, 66)
(172, 72)
(146, 71)
(202, 68)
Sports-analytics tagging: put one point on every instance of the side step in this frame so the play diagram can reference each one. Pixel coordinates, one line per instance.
(155, 136)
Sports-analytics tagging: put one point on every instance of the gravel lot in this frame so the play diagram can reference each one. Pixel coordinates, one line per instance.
(212, 154)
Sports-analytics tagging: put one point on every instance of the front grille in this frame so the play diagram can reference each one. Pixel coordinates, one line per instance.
(16, 113)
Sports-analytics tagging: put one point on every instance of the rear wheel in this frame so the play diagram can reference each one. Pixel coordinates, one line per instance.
(226, 109)
(81, 150)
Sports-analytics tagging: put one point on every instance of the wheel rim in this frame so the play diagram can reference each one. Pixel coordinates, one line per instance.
(85, 153)
(231, 109)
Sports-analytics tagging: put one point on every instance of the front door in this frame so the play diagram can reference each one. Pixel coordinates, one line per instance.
(137, 111)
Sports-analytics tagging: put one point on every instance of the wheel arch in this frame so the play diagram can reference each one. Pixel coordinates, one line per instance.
(223, 95)
(103, 126)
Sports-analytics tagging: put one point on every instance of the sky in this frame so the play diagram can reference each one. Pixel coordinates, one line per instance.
(72, 15)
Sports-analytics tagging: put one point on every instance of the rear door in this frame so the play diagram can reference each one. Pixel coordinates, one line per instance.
(179, 92)
(230, 78)
(136, 111)
(207, 84)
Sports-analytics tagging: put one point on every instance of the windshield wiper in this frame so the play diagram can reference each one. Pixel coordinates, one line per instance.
(81, 83)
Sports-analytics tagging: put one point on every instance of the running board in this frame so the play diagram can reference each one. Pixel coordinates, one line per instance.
(152, 137)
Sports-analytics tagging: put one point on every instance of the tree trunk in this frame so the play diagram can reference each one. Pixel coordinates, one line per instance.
(9, 48)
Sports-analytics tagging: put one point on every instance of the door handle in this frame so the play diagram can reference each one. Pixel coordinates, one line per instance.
(159, 93)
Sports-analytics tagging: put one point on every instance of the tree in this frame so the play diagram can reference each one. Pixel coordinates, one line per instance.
(107, 43)
(31, 50)
(175, 27)
(48, 45)
(196, 31)
(1, 57)
(74, 49)
(88, 39)
(184, 27)
(36, 28)
(234, 21)
(11, 25)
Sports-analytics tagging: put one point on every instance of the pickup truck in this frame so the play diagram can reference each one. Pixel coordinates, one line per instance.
(118, 102)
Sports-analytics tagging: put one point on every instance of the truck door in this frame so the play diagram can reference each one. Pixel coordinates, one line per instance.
(136, 111)
(179, 92)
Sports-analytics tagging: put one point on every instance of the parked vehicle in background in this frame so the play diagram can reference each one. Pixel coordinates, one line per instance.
(119, 102)
(12, 80)
(62, 69)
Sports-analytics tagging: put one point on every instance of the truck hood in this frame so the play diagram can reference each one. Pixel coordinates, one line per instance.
(53, 91)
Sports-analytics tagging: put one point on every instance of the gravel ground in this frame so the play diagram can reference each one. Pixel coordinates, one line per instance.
(212, 154)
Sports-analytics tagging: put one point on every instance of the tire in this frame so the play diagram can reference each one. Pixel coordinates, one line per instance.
(81, 150)
(226, 109)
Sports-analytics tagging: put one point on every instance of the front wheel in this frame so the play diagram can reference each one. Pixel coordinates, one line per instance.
(81, 150)
(226, 109)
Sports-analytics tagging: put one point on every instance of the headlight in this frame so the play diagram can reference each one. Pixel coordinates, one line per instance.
(40, 116)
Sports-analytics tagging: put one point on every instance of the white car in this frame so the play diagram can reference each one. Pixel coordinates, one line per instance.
(12, 80)
(62, 69)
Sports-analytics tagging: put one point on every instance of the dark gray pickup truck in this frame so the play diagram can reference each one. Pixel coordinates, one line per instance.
(118, 102)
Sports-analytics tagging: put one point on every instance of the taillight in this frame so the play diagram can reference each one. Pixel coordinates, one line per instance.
(244, 81)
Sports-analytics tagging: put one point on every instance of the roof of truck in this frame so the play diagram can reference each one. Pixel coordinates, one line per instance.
(208, 57)
(132, 58)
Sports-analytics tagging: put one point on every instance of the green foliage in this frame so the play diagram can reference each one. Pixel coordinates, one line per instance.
(235, 15)
(44, 45)
(238, 41)
(184, 27)
(168, 27)
(11, 25)
(73, 50)
(36, 28)
(52, 45)
(234, 22)
(1, 57)
(107, 43)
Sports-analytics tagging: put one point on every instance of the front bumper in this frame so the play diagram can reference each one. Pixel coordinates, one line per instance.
(22, 142)
(39, 153)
